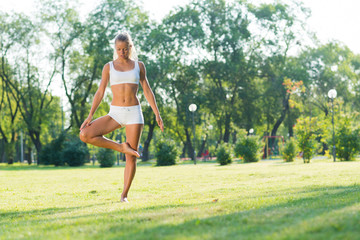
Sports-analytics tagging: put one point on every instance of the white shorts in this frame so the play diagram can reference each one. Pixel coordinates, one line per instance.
(126, 115)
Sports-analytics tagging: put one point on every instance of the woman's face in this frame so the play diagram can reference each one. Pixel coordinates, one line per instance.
(122, 49)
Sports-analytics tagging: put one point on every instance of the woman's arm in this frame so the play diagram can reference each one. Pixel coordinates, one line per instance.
(149, 95)
(98, 95)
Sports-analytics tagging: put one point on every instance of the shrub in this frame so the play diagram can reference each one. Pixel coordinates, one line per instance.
(224, 154)
(106, 157)
(347, 140)
(347, 144)
(64, 149)
(249, 148)
(10, 151)
(289, 150)
(166, 153)
(46, 154)
(52, 152)
(307, 130)
(75, 152)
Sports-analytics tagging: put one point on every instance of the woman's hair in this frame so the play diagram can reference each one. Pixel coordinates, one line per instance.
(125, 37)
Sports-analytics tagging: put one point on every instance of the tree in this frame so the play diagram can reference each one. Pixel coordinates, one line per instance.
(180, 76)
(281, 24)
(23, 83)
(64, 28)
(329, 66)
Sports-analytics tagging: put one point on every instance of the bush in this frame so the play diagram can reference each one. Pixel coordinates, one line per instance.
(166, 153)
(224, 154)
(52, 152)
(75, 152)
(249, 148)
(64, 149)
(46, 154)
(106, 157)
(289, 150)
(347, 144)
(346, 139)
(10, 151)
(307, 130)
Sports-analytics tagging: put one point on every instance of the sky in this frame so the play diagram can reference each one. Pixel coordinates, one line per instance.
(330, 20)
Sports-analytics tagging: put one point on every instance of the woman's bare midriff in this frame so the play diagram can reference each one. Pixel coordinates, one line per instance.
(125, 94)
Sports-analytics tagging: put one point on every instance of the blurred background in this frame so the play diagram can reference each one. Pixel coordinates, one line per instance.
(261, 68)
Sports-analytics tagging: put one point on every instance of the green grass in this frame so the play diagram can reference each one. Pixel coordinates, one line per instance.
(265, 200)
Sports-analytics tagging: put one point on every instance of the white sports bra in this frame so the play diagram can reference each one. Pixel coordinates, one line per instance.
(119, 77)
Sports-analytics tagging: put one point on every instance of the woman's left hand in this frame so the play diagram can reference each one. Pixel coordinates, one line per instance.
(160, 122)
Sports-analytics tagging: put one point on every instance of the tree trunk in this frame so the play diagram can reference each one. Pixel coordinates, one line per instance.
(201, 150)
(183, 152)
(28, 154)
(145, 153)
(234, 137)
(227, 127)
(190, 147)
(35, 137)
(279, 121)
(291, 130)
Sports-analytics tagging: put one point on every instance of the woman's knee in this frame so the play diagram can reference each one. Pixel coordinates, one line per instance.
(130, 158)
(84, 136)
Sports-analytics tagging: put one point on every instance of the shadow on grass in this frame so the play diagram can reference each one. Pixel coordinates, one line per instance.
(314, 217)
(39, 212)
(302, 218)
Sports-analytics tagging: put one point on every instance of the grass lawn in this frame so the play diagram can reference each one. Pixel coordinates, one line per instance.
(266, 200)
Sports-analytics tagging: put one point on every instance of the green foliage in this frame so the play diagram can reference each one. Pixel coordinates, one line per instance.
(224, 154)
(347, 143)
(52, 152)
(10, 152)
(166, 153)
(307, 130)
(347, 140)
(249, 148)
(243, 67)
(64, 149)
(289, 150)
(75, 152)
(106, 157)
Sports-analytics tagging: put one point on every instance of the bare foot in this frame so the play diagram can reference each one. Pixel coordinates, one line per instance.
(124, 200)
(128, 150)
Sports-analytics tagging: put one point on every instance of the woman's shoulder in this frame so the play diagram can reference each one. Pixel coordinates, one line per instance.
(141, 64)
(107, 66)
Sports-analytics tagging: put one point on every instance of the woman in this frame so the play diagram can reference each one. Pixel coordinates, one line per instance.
(124, 75)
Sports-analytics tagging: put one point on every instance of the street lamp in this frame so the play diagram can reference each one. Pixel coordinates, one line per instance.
(210, 128)
(192, 108)
(251, 131)
(332, 94)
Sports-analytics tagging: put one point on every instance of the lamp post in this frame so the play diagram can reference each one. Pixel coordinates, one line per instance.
(22, 147)
(210, 128)
(332, 94)
(251, 131)
(192, 108)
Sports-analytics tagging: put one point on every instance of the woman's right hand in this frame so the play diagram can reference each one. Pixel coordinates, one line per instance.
(160, 122)
(86, 123)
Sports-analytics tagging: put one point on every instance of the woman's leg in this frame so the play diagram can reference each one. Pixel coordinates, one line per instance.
(93, 134)
(133, 133)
